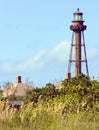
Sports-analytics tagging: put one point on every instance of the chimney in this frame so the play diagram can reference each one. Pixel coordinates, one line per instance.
(68, 75)
(18, 79)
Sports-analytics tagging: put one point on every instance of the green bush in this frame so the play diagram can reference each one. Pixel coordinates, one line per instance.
(74, 107)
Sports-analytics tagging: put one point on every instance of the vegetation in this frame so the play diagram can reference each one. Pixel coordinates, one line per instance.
(73, 107)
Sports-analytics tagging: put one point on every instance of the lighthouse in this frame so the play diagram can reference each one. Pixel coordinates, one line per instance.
(77, 55)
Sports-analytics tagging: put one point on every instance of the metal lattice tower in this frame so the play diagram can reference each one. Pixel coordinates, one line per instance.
(78, 44)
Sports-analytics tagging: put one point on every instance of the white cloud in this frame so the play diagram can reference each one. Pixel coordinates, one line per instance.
(58, 54)
(36, 63)
(32, 64)
(61, 51)
(92, 53)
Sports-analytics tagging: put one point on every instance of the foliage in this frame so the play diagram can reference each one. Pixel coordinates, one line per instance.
(29, 82)
(15, 98)
(7, 83)
(75, 107)
(1, 96)
(45, 94)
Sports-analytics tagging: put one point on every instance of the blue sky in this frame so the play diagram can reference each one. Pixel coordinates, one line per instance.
(35, 38)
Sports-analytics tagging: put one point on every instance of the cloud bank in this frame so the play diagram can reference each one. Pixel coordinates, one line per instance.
(58, 54)
(37, 62)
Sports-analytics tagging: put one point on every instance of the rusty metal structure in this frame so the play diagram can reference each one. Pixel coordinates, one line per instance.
(78, 45)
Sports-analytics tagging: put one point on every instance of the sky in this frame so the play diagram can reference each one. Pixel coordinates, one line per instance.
(35, 39)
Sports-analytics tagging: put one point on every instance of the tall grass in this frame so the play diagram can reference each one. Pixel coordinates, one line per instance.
(74, 107)
(55, 125)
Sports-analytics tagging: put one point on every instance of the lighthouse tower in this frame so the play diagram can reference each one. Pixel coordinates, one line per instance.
(77, 50)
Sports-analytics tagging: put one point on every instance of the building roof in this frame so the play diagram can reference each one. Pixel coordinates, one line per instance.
(58, 85)
(18, 89)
